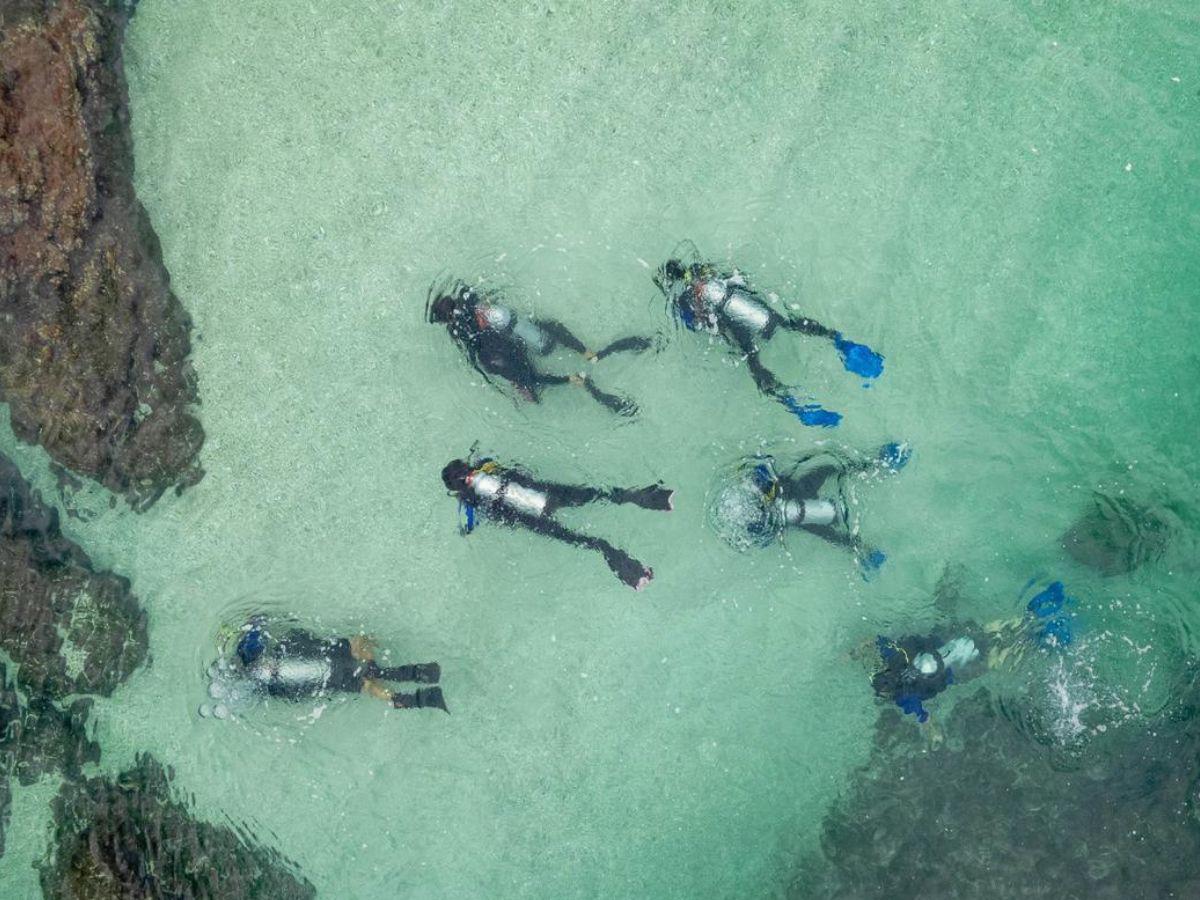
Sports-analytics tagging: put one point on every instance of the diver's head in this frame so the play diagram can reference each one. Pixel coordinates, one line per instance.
(668, 274)
(454, 475)
(444, 309)
(252, 644)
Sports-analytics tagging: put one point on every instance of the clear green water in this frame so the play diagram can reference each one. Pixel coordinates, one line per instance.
(1003, 201)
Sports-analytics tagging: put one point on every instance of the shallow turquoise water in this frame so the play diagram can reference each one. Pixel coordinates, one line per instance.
(1003, 202)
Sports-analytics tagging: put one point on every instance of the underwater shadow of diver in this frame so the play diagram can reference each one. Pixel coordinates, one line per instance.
(988, 815)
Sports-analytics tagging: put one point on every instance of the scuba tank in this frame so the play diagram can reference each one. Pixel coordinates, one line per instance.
(500, 318)
(728, 297)
(491, 487)
(532, 335)
(747, 311)
(292, 675)
(808, 512)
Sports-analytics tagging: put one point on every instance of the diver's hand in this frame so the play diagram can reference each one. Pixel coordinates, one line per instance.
(590, 355)
(577, 379)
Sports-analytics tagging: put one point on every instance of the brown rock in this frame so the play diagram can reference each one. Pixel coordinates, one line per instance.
(71, 629)
(130, 838)
(93, 343)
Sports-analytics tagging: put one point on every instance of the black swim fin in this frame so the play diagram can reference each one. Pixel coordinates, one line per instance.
(424, 698)
(620, 405)
(625, 345)
(628, 569)
(655, 496)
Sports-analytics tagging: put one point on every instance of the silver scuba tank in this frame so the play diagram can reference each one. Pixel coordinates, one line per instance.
(516, 497)
(747, 311)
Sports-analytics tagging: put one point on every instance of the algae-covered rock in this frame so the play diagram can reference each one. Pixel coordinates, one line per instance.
(1116, 535)
(71, 629)
(131, 838)
(991, 813)
(93, 344)
(37, 738)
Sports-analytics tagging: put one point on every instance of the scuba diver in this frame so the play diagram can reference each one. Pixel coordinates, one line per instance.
(497, 341)
(758, 506)
(516, 498)
(917, 668)
(705, 298)
(296, 665)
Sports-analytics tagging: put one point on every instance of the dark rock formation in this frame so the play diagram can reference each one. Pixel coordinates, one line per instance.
(93, 344)
(1116, 535)
(990, 813)
(71, 629)
(130, 838)
(38, 738)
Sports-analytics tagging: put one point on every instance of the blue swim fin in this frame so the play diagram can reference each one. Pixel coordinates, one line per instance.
(858, 358)
(895, 455)
(811, 413)
(1049, 601)
(870, 564)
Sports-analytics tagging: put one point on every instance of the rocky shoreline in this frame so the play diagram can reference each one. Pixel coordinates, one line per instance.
(93, 344)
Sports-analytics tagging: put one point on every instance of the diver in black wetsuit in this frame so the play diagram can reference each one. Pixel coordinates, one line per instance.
(705, 298)
(516, 498)
(499, 342)
(759, 504)
(917, 668)
(299, 666)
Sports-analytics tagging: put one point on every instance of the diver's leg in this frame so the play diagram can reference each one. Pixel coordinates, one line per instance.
(565, 495)
(619, 405)
(809, 484)
(376, 689)
(869, 559)
(630, 344)
(805, 325)
(624, 566)
(654, 496)
(421, 673)
(763, 377)
(560, 334)
(838, 538)
(362, 647)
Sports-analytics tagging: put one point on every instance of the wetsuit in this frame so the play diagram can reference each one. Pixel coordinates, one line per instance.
(516, 498)
(723, 303)
(918, 668)
(499, 342)
(795, 500)
(300, 666)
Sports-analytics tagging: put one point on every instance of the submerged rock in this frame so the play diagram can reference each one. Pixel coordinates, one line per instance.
(1116, 535)
(130, 838)
(37, 739)
(71, 629)
(991, 813)
(93, 343)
